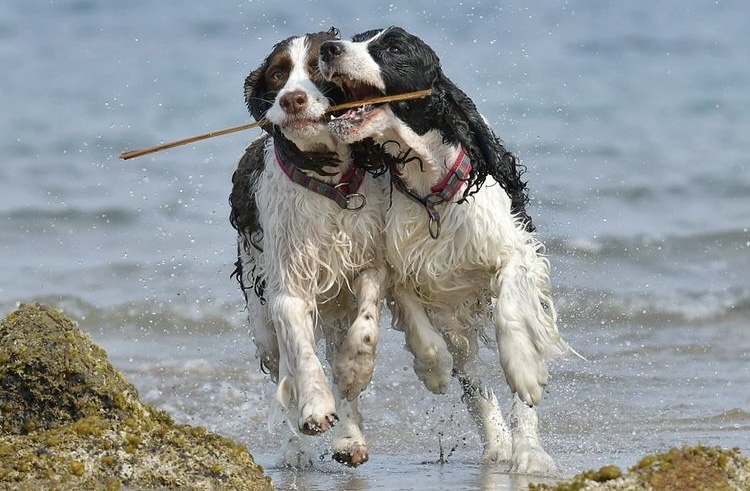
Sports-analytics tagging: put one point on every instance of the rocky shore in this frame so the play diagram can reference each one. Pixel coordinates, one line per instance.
(696, 468)
(70, 421)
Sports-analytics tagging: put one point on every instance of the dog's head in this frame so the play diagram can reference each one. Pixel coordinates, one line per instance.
(392, 61)
(380, 62)
(288, 90)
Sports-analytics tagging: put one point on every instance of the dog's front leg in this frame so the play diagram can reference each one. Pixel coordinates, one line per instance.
(433, 363)
(355, 359)
(294, 327)
(349, 445)
(348, 441)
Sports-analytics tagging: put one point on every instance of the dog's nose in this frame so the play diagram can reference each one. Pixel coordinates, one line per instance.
(293, 102)
(330, 50)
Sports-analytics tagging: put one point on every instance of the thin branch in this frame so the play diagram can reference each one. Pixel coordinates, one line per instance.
(347, 105)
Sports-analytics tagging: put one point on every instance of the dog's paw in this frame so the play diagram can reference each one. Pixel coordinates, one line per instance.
(317, 408)
(529, 385)
(354, 373)
(315, 425)
(352, 455)
(533, 460)
(496, 453)
(434, 365)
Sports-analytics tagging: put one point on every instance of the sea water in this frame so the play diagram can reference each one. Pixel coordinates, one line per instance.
(632, 119)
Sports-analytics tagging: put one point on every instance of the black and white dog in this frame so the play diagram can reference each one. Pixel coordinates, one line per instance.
(310, 249)
(461, 248)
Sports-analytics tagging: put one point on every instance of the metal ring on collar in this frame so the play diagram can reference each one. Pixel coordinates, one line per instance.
(355, 201)
(434, 227)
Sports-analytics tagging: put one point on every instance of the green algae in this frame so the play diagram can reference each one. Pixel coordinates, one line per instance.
(689, 468)
(70, 421)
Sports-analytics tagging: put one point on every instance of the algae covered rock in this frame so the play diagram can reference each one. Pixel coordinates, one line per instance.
(696, 468)
(70, 421)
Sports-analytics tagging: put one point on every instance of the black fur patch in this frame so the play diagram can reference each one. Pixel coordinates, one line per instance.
(407, 64)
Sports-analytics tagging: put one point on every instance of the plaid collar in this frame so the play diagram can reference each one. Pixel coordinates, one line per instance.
(442, 192)
(345, 193)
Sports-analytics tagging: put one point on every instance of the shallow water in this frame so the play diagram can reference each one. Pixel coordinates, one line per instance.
(642, 390)
(631, 118)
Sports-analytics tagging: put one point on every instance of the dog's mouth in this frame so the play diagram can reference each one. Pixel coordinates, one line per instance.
(356, 90)
(300, 124)
(359, 115)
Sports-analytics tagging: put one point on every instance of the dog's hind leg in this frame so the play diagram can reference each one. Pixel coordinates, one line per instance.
(355, 357)
(433, 363)
(484, 409)
(529, 457)
(292, 317)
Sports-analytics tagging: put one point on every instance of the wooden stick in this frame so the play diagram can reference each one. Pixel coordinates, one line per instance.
(417, 94)
(145, 151)
(347, 105)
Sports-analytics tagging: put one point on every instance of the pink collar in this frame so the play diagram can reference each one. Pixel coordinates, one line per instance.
(345, 193)
(442, 192)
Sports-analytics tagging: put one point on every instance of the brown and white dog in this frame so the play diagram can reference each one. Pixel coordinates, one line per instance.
(461, 248)
(310, 249)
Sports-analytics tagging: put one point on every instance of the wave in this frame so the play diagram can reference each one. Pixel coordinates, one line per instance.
(106, 215)
(735, 419)
(145, 317)
(737, 239)
(605, 307)
(648, 45)
(575, 307)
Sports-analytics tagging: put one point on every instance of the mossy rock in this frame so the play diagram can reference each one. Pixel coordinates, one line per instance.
(70, 421)
(697, 468)
(53, 375)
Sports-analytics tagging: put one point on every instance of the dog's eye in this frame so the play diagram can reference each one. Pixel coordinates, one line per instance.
(394, 50)
(277, 75)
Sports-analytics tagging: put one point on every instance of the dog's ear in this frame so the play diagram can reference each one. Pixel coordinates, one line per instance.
(486, 151)
(255, 89)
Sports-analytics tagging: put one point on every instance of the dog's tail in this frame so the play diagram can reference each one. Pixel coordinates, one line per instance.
(526, 323)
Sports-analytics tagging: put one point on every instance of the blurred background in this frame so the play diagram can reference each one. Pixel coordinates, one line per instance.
(631, 118)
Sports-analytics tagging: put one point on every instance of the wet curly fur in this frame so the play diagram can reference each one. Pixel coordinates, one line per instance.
(450, 109)
(485, 267)
(243, 216)
(308, 263)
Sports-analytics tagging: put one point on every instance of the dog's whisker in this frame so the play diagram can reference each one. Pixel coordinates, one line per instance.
(261, 99)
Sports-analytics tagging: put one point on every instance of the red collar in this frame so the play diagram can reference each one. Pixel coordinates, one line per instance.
(454, 179)
(442, 192)
(344, 193)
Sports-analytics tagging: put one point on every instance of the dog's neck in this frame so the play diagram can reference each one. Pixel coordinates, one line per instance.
(325, 158)
(428, 157)
(319, 142)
